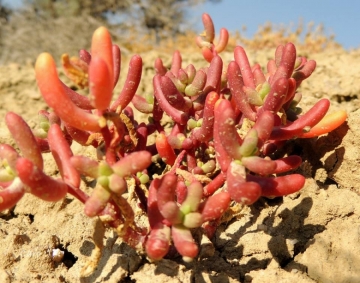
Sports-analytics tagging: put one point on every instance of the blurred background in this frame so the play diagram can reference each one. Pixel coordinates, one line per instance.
(28, 27)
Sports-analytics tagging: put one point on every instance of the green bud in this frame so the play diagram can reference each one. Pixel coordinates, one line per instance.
(40, 133)
(193, 220)
(6, 175)
(254, 97)
(149, 98)
(249, 145)
(191, 90)
(209, 166)
(45, 125)
(103, 181)
(105, 169)
(144, 178)
(191, 123)
(193, 198)
(264, 90)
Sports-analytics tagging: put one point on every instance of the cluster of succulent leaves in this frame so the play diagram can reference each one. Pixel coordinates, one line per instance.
(227, 123)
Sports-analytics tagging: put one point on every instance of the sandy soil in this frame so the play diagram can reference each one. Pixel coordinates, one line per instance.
(310, 236)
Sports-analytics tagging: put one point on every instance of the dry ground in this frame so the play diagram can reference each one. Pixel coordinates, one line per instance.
(311, 236)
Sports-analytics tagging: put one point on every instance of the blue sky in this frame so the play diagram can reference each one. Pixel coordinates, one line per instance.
(340, 18)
